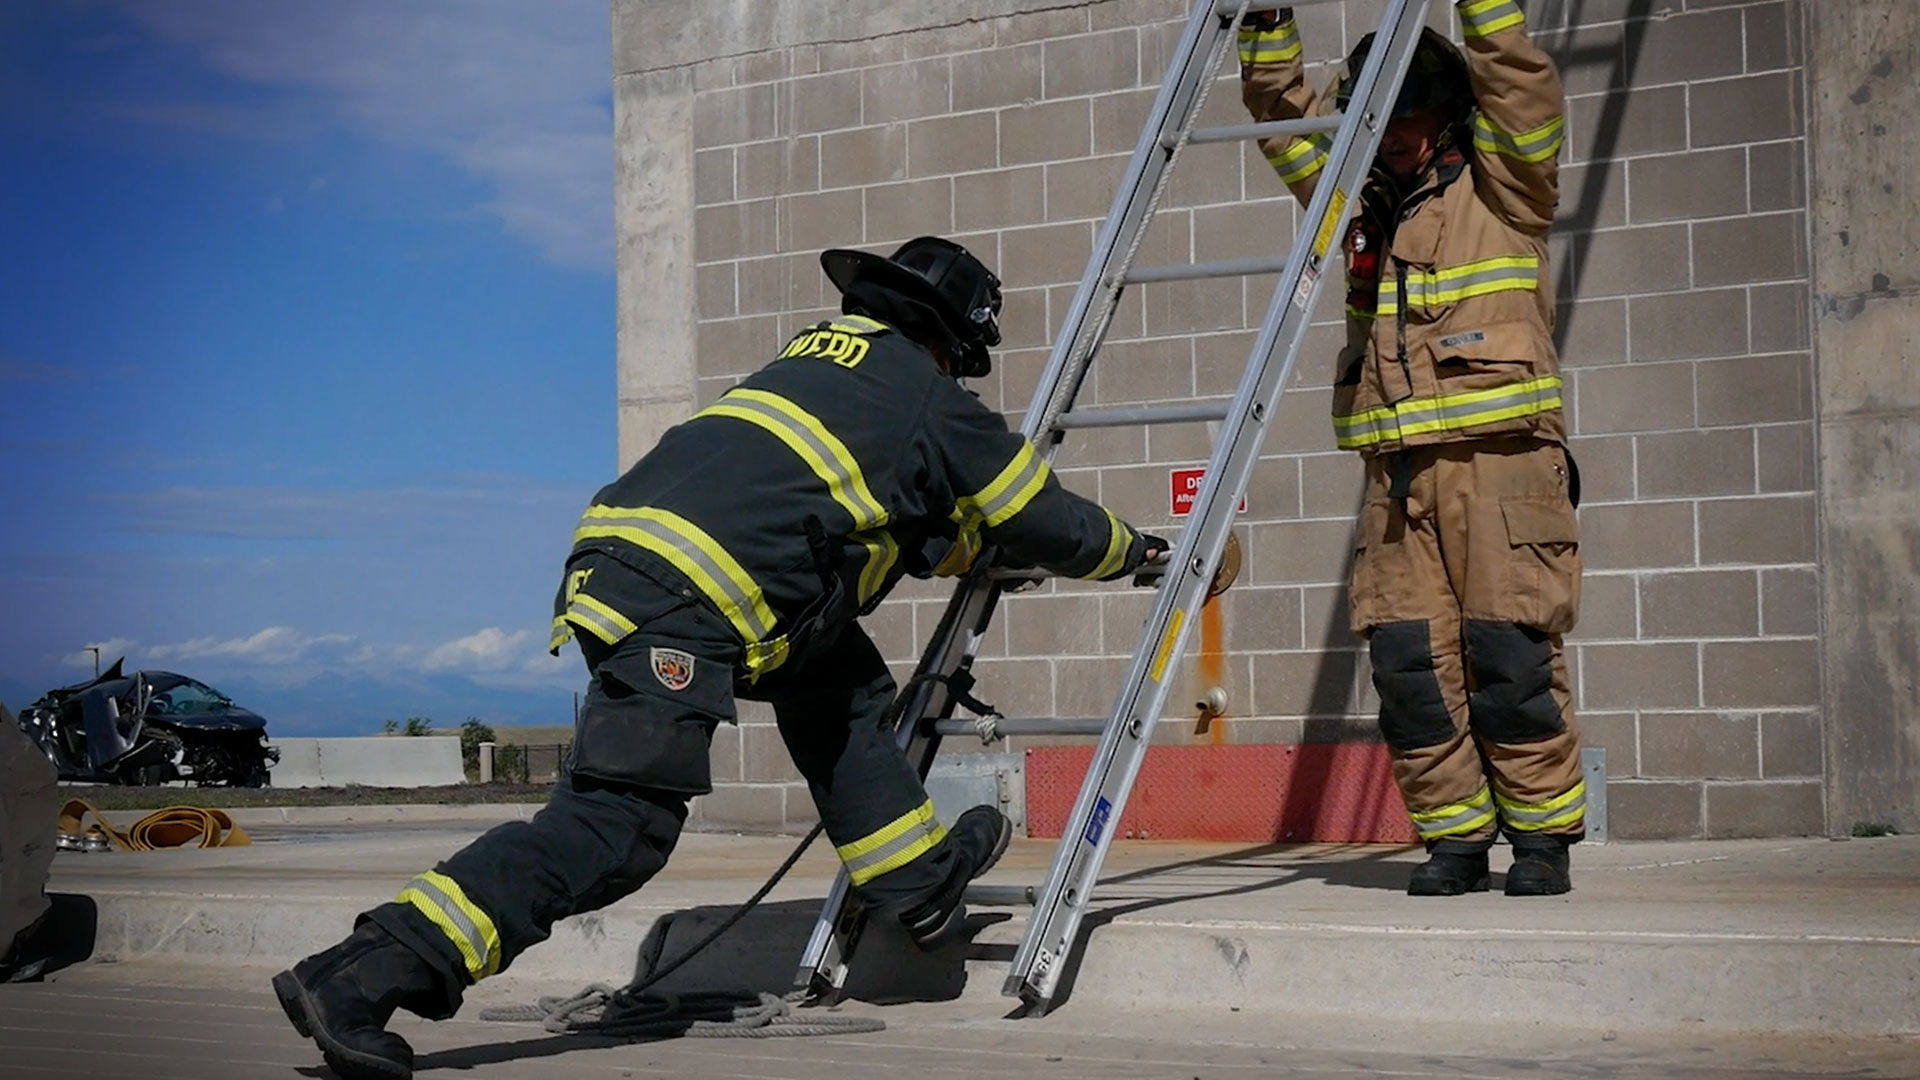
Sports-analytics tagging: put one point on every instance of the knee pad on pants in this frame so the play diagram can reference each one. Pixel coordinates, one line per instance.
(1413, 713)
(1512, 671)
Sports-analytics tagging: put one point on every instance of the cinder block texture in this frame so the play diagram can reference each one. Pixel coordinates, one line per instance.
(1686, 324)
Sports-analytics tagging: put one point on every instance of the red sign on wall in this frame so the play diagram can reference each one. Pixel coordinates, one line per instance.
(1183, 485)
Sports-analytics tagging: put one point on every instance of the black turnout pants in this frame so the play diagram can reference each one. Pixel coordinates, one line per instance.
(640, 753)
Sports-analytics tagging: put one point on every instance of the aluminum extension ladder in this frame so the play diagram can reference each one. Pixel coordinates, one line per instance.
(923, 710)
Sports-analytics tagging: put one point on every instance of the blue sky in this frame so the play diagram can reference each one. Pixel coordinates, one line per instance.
(306, 334)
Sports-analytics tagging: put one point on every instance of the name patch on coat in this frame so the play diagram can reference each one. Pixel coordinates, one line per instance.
(1471, 337)
(672, 667)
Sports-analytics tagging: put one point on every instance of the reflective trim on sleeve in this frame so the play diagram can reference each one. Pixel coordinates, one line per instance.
(1563, 809)
(445, 904)
(893, 845)
(806, 436)
(1482, 17)
(1010, 492)
(1447, 412)
(1532, 147)
(1275, 46)
(1455, 819)
(1119, 541)
(691, 551)
(1302, 158)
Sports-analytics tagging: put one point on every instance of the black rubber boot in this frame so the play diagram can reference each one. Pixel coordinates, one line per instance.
(1449, 872)
(979, 837)
(1540, 868)
(342, 999)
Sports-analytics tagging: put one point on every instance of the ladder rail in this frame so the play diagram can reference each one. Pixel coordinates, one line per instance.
(1127, 221)
(824, 962)
(1048, 947)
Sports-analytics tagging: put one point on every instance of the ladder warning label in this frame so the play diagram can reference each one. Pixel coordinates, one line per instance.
(1097, 825)
(1183, 485)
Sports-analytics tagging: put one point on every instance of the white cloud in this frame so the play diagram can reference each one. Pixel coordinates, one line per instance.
(110, 650)
(271, 646)
(491, 649)
(513, 92)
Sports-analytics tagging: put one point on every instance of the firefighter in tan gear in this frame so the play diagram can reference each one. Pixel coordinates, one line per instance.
(732, 561)
(1466, 567)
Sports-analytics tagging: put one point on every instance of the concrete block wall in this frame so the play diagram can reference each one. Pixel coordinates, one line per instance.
(1683, 269)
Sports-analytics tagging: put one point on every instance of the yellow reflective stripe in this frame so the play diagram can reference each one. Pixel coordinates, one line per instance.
(1288, 163)
(1454, 819)
(1008, 493)
(803, 433)
(882, 551)
(966, 547)
(445, 904)
(1275, 46)
(1532, 147)
(691, 551)
(893, 845)
(1449, 412)
(562, 630)
(605, 623)
(857, 324)
(1119, 539)
(1483, 17)
(763, 656)
(1507, 273)
(1562, 809)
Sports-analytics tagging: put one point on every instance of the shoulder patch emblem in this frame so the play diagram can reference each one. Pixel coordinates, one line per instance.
(673, 667)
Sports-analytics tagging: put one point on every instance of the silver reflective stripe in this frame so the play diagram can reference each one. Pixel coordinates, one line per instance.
(475, 940)
(1484, 17)
(1441, 287)
(711, 573)
(1465, 817)
(1521, 816)
(871, 864)
(1532, 147)
(833, 463)
(608, 630)
(1017, 491)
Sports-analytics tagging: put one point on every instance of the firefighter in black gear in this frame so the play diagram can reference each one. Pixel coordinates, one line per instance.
(732, 561)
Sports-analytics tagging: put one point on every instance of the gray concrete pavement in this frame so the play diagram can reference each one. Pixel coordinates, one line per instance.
(175, 1022)
(1814, 937)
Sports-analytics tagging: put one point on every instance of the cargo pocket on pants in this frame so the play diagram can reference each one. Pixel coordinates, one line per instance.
(1543, 563)
(1363, 584)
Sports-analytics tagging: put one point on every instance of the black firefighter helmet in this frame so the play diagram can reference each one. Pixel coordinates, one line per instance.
(1436, 79)
(929, 287)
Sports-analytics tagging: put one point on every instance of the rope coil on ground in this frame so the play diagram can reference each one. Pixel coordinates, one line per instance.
(628, 1012)
(710, 1014)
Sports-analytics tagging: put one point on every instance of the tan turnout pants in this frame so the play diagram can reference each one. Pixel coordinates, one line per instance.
(1463, 588)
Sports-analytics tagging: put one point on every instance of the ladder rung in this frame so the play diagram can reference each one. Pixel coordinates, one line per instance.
(1143, 414)
(1071, 725)
(1000, 895)
(1306, 125)
(1196, 271)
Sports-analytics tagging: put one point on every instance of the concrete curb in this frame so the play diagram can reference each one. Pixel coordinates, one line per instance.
(1723, 983)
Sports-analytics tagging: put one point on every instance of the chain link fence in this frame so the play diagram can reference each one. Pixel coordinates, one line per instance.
(529, 763)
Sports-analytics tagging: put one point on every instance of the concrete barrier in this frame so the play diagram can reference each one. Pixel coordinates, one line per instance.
(29, 802)
(376, 761)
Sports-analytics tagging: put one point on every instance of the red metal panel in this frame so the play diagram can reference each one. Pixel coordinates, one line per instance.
(1325, 792)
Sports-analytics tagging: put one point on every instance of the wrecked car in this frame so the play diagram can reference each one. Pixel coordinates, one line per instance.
(149, 727)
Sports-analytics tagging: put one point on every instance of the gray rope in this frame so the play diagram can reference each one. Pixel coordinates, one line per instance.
(702, 1014)
(628, 1012)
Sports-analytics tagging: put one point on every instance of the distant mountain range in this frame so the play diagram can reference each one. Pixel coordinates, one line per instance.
(332, 703)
